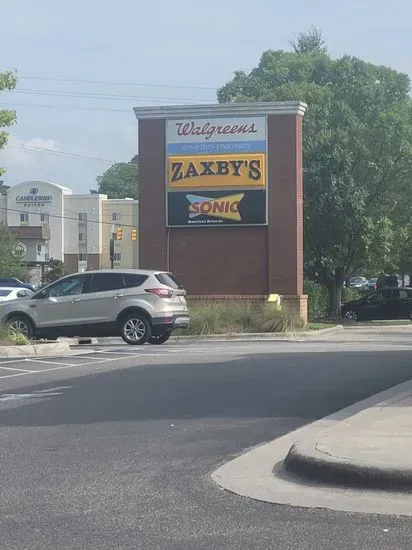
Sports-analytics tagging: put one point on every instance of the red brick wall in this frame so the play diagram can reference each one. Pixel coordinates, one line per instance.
(227, 260)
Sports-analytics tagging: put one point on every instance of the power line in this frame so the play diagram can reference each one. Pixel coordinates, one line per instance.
(112, 83)
(95, 95)
(62, 217)
(67, 153)
(64, 107)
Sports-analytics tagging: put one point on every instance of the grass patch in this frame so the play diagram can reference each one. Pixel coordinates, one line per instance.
(319, 326)
(235, 317)
(7, 339)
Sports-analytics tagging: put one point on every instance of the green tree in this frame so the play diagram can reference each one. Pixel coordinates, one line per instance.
(8, 81)
(120, 181)
(10, 260)
(357, 153)
(56, 270)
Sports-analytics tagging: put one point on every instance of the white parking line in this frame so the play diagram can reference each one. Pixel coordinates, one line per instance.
(21, 370)
(51, 362)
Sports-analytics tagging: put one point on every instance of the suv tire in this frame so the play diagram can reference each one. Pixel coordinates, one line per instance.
(160, 338)
(19, 324)
(135, 329)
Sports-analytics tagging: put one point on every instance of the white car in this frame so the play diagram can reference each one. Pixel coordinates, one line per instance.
(8, 293)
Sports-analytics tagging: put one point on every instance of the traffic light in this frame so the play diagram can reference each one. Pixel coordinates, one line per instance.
(119, 233)
(134, 234)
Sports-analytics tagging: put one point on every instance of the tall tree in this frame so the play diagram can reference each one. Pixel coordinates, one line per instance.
(120, 181)
(309, 42)
(357, 153)
(8, 81)
(10, 257)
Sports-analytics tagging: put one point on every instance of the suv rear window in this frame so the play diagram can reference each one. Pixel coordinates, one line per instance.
(133, 279)
(102, 282)
(169, 280)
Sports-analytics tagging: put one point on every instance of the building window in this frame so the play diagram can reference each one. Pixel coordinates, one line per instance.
(116, 216)
(39, 249)
(82, 216)
(24, 218)
(44, 217)
(82, 257)
(117, 256)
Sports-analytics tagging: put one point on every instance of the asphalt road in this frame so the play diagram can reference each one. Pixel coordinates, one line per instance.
(118, 453)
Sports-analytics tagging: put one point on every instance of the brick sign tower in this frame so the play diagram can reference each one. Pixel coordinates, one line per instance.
(220, 198)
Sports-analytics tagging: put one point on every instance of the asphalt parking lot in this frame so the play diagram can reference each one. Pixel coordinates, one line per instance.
(98, 355)
(115, 447)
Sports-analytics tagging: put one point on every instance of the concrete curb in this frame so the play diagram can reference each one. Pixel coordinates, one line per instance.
(259, 472)
(245, 336)
(305, 460)
(40, 350)
(239, 337)
(377, 328)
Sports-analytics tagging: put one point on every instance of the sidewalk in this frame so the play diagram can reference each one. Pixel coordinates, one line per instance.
(370, 449)
(358, 459)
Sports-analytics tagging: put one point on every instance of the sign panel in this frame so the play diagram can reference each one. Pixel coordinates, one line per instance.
(214, 170)
(216, 135)
(216, 208)
(247, 170)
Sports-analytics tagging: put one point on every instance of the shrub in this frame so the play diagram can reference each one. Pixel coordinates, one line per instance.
(317, 300)
(349, 294)
(9, 339)
(243, 316)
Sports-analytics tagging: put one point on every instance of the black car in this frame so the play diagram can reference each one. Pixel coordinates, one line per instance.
(12, 281)
(385, 303)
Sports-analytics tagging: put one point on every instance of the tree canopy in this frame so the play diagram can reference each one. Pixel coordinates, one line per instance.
(120, 181)
(8, 81)
(357, 153)
(55, 271)
(10, 263)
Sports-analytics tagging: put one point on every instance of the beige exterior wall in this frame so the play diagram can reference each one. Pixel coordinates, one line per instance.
(120, 213)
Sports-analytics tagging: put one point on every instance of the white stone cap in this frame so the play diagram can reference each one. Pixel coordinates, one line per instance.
(222, 110)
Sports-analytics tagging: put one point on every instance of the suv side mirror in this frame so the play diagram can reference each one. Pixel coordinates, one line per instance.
(42, 294)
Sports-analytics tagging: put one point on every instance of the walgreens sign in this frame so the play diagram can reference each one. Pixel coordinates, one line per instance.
(216, 130)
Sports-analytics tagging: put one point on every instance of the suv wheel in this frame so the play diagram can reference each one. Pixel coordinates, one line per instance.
(160, 338)
(18, 324)
(135, 329)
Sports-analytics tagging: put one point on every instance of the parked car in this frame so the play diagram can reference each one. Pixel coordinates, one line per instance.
(358, 282)
(10, 293)
(373, 283)
(386, 303)
(12, 281)
(387, 281)
(138, 305)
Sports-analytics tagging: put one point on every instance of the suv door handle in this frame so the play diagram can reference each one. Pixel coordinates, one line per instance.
(75, 300)
(118, 296)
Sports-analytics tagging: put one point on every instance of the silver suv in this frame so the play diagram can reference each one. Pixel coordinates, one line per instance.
(139, 305)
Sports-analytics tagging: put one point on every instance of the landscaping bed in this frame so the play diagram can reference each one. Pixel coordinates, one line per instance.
(239, 317)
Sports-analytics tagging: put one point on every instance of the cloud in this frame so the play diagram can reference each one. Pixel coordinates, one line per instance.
(19, 151)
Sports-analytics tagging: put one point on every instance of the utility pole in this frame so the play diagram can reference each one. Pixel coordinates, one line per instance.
(111, 247)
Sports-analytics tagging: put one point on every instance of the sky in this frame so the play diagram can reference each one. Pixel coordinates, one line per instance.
(84, 64)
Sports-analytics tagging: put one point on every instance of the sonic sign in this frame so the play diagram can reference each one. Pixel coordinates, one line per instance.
(216, 172)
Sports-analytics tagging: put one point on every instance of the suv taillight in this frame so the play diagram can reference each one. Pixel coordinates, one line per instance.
(161, 292)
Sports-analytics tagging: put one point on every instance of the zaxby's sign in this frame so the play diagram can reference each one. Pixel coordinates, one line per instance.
(221, 171)
(213, 168)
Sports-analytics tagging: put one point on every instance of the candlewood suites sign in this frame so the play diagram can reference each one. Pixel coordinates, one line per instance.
(226, 157)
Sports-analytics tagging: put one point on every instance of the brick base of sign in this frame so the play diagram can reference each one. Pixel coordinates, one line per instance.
(297, 305)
